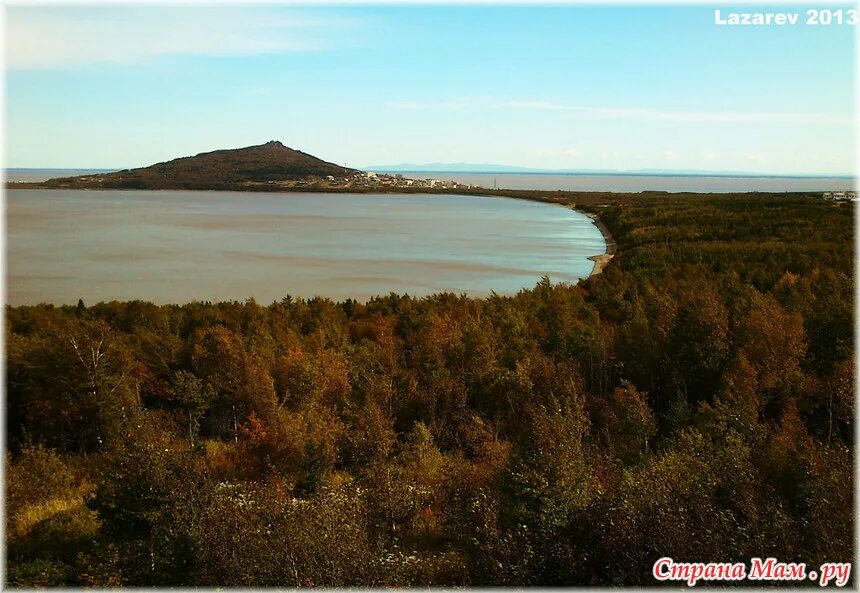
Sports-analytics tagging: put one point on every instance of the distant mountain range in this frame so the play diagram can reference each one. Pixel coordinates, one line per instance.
(221, 169)
(452, 168)
(510, 169)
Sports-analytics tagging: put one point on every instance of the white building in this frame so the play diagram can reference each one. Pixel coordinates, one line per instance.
(839, 195)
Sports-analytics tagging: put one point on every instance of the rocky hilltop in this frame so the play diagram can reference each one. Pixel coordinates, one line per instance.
(269, 163)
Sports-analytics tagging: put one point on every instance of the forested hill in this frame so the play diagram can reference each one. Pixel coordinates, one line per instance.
(271, 161)
(695, 400)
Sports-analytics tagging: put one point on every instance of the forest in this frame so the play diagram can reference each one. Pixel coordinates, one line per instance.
(695, 400)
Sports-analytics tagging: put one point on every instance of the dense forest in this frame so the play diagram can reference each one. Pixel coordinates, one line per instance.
(695, 400)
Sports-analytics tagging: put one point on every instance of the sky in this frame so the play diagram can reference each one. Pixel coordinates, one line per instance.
(555, 87)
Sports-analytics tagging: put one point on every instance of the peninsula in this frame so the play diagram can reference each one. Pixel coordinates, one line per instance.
(265, 167)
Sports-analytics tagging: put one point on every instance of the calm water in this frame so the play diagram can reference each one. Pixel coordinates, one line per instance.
(637, 183)
(178, 246)
(36, 175)
(615, 183)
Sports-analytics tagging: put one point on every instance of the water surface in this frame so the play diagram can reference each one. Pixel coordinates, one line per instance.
(179, 246)
(631, 182)
(643, 182)
(37, 175)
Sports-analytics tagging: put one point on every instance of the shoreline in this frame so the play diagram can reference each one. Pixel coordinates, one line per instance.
(542, 198)
(602, 260)
(561, 198)
(569, 199)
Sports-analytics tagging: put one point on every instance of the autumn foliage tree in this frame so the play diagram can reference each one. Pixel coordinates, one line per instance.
(694, 400)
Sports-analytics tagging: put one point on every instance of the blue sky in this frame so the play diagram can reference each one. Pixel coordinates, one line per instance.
(574, 86)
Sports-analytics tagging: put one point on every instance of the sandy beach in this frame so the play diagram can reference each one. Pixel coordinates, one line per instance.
(602, 260)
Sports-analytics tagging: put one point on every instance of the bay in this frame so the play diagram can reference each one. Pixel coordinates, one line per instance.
(180, 246)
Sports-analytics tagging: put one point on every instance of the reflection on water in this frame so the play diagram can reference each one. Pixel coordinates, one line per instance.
(178, 246)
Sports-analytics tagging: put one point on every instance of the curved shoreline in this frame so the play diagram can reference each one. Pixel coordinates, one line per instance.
(602, 260)
(248, 264)
(561, 198)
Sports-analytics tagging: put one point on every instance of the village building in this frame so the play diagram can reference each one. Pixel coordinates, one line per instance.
(839, 195)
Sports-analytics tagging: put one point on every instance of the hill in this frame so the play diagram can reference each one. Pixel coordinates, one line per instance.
(221, 169)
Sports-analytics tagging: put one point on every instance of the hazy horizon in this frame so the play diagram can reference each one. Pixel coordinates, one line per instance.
(616, 88)
(503, 169)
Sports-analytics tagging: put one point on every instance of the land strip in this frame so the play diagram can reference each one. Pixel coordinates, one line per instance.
(602, 260)
(593, 204)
